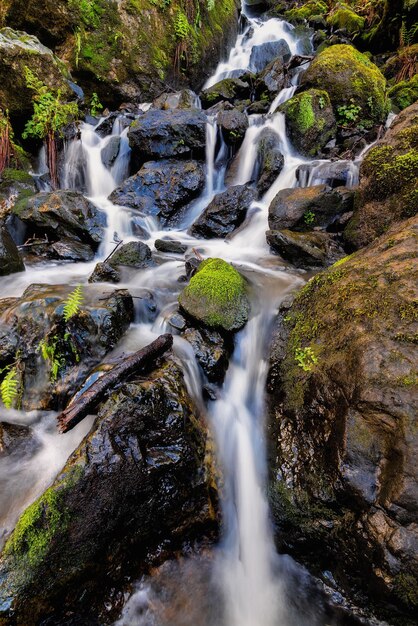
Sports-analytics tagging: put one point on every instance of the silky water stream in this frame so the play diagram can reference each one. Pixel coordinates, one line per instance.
(241, 582)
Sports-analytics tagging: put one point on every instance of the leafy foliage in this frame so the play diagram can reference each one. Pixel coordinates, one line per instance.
(348, 113)
(181, 25)
(9, 387)
(306, 358)
(72, 304)
(95, 105)
(50, 352)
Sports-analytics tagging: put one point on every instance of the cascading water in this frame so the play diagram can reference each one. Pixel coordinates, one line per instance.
(244, 568)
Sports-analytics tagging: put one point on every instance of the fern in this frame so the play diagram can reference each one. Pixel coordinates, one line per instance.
(72, 304)
(9, 388)
(49, 352)
(181, 25)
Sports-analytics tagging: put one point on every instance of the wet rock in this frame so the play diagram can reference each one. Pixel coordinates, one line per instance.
(164, 134)
(270, 160)
(110, 152)
(132, 255)
(17, 51)
(264, 53)
(15, 185)
(343, 409)
(225, 213)
(162, 188)
(61, 214)
(305, 250)
(211, 350)
(15, 438)
(177, 321)
(55, 356)
(388, 175)
(228, 89)
(310, 121)
(140, 473)
(105, 127)
(305, 208)
(68, 250)
(334, 174)
(272, 79)
(170, 245)
(216, 296)
(10, 260)
(234, 124)
(185, 99)
(191, 266)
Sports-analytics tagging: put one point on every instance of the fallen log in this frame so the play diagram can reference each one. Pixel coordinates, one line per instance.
(84, 404)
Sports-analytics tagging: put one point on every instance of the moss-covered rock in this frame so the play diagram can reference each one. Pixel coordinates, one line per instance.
(404, 94)
(228, 89)
(310, 121)
(388, 181)
(308, 11)
(344, 17)
(343, 423)
(350, 79)
(217, 296)
(17, 51)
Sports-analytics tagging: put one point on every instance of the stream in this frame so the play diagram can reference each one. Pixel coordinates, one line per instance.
(242, 581)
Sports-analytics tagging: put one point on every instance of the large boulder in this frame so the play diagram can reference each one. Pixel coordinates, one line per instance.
(10, 260)
(137, 482)
(131, 256)
(164, 134)
(17, 51)
(352, 81)
(262, 54)
(60, 215)
(310, 121)
(271, 80)
(216, 296)
(234, 124)
(305, 250)
(228, 89)
(162, 188)
(343, 408)
(388, 182)
(225, 213)
(270, 160)
(55, 355)
(304, 208)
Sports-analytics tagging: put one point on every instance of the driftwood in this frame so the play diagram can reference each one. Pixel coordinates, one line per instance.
(87, 401)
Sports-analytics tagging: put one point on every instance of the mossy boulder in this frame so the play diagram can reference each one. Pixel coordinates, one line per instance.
(228, 89)
(350, 79)
(17, 51)
(404, 94)
(311, 10)
(217, 296)
(15, 185)
(343, 421)
(388, 182)
(139, 478)
(310, 121)
(344, 17)
(305, 250)
(131, 256)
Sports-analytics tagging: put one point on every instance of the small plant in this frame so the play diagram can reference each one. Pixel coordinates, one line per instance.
(72, 303)
(210, 5)
(321, 102)
(309, 217)
(306, 358)
(348, 114)
(95, 105)
(50, 115)
(9, 388)
(50, 352)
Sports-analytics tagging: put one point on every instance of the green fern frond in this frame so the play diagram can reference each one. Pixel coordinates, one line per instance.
(72, 304)
(9, 388)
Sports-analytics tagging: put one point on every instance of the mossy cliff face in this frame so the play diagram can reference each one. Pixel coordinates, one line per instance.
(343, 420)
(139, 478)
(129, 50)
(350, 79)
(388, 182)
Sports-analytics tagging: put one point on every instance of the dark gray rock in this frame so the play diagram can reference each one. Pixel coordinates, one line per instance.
(185, 99)
(305, 208)
(68, 250)
(272, 79)
(225, 213)
(212, 351)
(105, 127)
(10, 260)
(164, 134)
(305, 250)
(132, 255)
(228, 89)
(170, 245)
(162, 188)
(270, 160)
(334, 174)
(264, 53)
(234, 124)
(61, 214)
(110, 152)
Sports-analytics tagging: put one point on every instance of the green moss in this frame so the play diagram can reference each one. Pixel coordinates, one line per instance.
(404, 93)
(16, 176)
(312, 9)
(406, 588)
(300, 111)
(343, 17)
(217, 296)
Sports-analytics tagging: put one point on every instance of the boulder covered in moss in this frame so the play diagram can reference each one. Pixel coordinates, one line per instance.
(343, 17)
(312, 10)
(217, 296)
(310, 121)
(130, 256)
(343, 408)
(15, 185)
(10, 259)
(305, 250)
(228, 89)
(388, 182)
(55, 356)
(17, 51)
(405, 93)
(351, 80)
(136, 482)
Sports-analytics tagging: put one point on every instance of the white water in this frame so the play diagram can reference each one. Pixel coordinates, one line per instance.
(245, 563)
